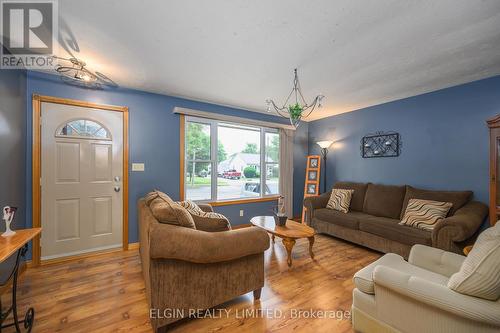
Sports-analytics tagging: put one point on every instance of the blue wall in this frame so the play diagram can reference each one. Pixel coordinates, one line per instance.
(12, 144)
(444, 134)
(300, 151)
(445, 140)
(154, 140)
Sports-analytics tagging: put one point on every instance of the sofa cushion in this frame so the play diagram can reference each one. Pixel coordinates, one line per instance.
(340, 200)
(349, 220)
(424, 214)
(358, 196)
(479, 275)
(384, 200)
(364, 281)
(167, 211)
(391, 229)
(457, 198)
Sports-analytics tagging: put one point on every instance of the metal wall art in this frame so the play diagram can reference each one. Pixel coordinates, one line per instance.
(381, 144)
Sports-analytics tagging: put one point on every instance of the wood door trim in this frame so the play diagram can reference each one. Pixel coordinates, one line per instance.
(493, 124)
(37, 101)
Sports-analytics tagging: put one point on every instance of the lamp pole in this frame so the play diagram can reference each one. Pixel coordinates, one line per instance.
(324, 151)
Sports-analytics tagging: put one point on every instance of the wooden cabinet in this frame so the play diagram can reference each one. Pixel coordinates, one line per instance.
(494, 126)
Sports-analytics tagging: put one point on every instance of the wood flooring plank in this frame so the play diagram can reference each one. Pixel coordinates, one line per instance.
(106, 293)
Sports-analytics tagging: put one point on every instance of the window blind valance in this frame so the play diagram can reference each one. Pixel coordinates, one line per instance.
(235, 119)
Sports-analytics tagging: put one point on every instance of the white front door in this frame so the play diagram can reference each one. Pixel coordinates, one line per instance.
(81, 185)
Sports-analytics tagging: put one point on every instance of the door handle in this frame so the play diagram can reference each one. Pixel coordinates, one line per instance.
(117, 188)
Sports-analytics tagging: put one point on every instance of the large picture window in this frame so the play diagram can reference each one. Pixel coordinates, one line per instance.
(227, 161)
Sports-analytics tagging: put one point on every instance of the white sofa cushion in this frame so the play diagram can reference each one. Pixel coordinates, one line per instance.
(479, 275)
(435, 260)
(363, 279)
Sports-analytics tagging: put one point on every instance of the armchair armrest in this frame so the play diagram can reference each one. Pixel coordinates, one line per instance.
(435, 260)
(315, 202)
(459, 227)
(437, 296)
(173, 242)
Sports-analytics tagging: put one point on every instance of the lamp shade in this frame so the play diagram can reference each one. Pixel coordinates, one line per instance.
(324, 144)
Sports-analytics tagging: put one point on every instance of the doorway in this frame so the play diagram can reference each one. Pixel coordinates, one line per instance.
(80, 153)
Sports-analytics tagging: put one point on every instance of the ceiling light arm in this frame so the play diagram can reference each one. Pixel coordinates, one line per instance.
(295, 112)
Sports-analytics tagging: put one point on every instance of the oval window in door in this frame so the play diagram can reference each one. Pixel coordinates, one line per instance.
(84, 129)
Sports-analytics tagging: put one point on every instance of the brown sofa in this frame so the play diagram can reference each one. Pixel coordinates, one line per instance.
(187, 268)
(376, 210)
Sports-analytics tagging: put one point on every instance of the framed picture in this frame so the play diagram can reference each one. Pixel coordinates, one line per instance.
(312, 175)
(313, 162)
(311, 183)
(311, 188)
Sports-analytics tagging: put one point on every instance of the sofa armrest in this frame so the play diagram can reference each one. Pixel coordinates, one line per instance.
(206, 207)
(438, 296)
(315, 202)
(173, 242)
(459, 227)
(435, 260)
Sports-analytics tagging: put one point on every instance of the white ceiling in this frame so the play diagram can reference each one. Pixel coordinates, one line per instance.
(238, 52)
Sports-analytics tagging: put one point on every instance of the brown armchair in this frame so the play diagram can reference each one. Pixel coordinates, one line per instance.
(192, 269)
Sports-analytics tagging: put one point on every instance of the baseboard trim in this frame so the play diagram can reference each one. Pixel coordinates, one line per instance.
(29, 264)
(133, 246)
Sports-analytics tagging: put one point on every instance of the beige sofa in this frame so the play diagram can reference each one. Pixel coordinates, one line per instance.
(188, 269)
(393, 295)
(376, 210)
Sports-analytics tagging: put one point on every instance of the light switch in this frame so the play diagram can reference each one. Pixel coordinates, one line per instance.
(137, 166)
(241, 212)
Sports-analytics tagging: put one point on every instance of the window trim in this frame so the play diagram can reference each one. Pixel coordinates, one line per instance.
(184, 120)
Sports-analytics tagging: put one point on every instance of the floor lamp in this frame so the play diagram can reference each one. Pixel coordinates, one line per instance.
(324, 151)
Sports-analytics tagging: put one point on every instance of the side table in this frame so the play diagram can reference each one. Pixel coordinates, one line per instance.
(16, 245)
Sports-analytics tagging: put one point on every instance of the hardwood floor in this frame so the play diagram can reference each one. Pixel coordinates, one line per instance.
(105, 293)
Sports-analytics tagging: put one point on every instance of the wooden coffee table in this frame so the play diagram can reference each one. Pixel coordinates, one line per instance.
(288, 233)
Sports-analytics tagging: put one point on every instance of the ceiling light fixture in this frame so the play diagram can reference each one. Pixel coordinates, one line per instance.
(74, 71)
(295, 111)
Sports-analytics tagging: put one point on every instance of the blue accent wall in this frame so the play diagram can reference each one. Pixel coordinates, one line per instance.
(300, 152)
(12, 145)
(444, 134)
(154, 140)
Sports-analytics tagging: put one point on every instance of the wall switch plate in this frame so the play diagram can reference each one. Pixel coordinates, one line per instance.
(241, 212)
(137, 166)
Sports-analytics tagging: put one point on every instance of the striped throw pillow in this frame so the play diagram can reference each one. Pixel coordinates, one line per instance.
(424, 214)
(479, 275)
(192, 207)
(340, 200)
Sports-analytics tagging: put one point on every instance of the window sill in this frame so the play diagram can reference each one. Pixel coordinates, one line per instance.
(243, 201)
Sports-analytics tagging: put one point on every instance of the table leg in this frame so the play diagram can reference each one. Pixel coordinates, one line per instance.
(311, 243)
(30, 314)
(289, 243)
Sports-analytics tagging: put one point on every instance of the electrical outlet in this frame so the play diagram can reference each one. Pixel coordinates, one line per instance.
(241, 212)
